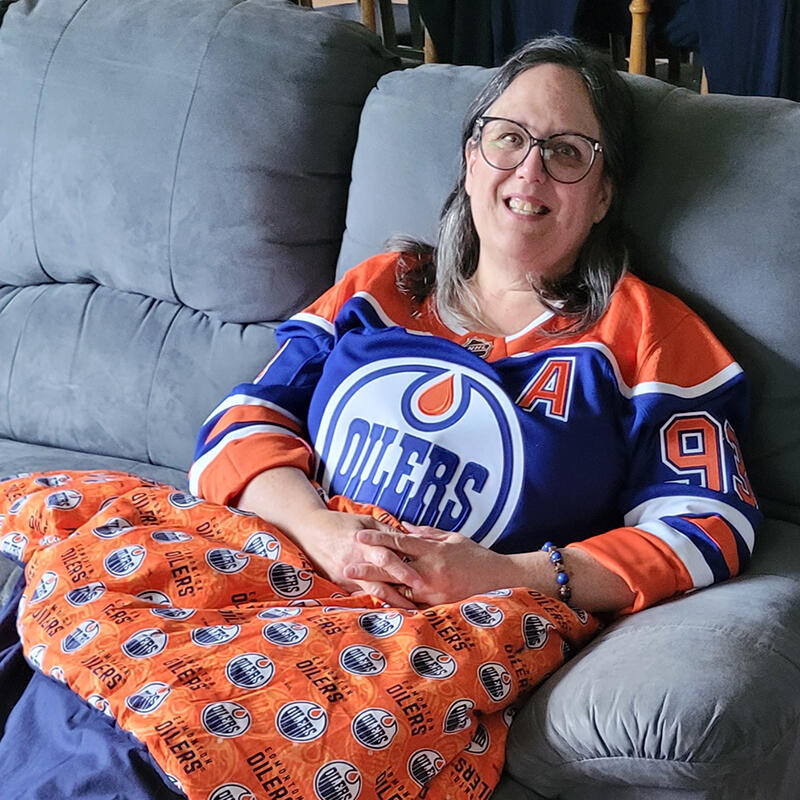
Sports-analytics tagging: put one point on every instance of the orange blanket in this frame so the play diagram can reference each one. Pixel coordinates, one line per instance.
(206, 634)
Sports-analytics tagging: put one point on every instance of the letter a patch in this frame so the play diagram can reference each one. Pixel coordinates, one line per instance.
(550, 387)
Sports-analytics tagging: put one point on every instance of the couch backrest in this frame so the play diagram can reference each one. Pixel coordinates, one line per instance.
(170, 170)
(714, 213)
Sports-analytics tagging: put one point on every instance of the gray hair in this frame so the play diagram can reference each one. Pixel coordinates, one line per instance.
(583, 294)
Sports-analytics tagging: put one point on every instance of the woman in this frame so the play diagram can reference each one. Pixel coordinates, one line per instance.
(602, 435)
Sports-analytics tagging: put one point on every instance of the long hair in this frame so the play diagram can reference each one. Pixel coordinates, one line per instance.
(582, 295)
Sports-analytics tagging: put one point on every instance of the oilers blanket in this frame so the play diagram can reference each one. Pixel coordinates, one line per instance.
(205, 633)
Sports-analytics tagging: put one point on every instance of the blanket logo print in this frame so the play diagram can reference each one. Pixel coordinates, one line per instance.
(124, 560)
(226, 719)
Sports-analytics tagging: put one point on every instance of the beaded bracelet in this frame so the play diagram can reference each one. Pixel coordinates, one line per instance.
(562, 578)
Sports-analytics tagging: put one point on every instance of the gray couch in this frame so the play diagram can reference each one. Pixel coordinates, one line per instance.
(174, 176)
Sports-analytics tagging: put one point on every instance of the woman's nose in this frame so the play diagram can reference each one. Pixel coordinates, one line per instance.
(532, 167)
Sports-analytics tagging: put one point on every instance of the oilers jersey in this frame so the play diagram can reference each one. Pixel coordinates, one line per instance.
(620, 440)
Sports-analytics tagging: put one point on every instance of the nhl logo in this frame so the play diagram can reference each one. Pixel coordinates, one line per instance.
(288, 581)
(148, 698)
(13, 544)
(124, 560)
(337, 780)
(65, 499)
(226, 561)
(381, 623)
(170, 536)
(183, 500)
(285, 633)
(173, 613)
(46, 586)
(85, 594)
(425, 765)
(214, 634)
(145, 643)
(263, 544)
(458, 717)
(232, 791)
(480, 347)
(17, 505)
(226, 719)
(495, 679)
(80, 636)
(250, 670)
(535, 630)
(116, 526)
(482, 615)
(301, 721)
(51, 481)
(480, 741)
(432, 663)
(36, 656)
(154, 596)
(374, 728)
(279, 612)
(358, 659)
(100, 703)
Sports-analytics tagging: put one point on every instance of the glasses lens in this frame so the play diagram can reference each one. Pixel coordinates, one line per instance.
(568, 157)
(504, 144)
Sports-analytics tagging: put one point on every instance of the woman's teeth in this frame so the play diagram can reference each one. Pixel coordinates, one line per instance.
(526, 207)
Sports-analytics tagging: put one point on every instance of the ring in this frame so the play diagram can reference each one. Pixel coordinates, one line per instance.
(408, 593)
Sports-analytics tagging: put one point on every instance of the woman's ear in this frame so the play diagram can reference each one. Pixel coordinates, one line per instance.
(470, 156)
(605, 194)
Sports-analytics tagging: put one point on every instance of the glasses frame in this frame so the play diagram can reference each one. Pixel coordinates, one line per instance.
(535, 141)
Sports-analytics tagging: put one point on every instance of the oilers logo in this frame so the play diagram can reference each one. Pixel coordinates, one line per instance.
(481, 615)
(213, 635)
(495, 679)
(250, 670)
(116, 526)
(425, 765)
(13, 544)
(432, 663)
(52, 481)
(263, 544)
(279, 612)
(7, 478)
(232, 791)
(285, 633)
(80, 636)
(46, 586)
(84, 595)
(432, 442)
(458, 716)
(534, 630)
(183, 500)
(288, 581)
(381, 623)
(170, 536)
(301, 721)
(226, 561)
(101, 704)
(582, 616)
(375, 728)
(175, 782)
(499, 593)
(479, 743)
(240, 512)
(107, 502)
(145, 643)
(148, 698)
(337, 780)
(64, 500)
(124, 560)
(36, 656)
(154, 596)
(17, 505)
(359, 659)
(226, 719)
(508, 715)
(57, 674)
(173, 613)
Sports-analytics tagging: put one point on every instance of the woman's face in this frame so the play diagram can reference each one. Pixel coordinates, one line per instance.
(526, 221)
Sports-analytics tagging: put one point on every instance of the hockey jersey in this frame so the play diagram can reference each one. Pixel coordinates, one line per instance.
(620, 440)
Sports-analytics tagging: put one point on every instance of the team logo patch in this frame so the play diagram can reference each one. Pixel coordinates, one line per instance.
(279, 612)
(482, 615)
(231, 791)
(183, 500)
(381, 623)
(116, 526)
(288, 581)
(495, 679)
(285, 633)
(13, 544)
(458, 717)
(337, 780)
(535, 630)
(425, 765)
(45, 587)
(101, 704)
(432, 442)
(250, 670)
(301, 721)
(145, 643)
(170, 536)
(226, 719)
(36, 655)
(480, 347)
(80, 636)
(148, 698)
(124, 560)
(479, 743)
(65, 499)
(359, 659)
(154, 596)
(51, 481)
(374, 728)
(263, 544)
(84, 595)
(226, 561)
(432, 663)
(173, 613)
(213, 635)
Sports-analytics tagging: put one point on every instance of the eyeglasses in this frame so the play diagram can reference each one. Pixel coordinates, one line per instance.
(567, 157)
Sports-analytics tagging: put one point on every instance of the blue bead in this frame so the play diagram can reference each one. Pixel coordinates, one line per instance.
(555, 556)
(562, 578)
(547, 546)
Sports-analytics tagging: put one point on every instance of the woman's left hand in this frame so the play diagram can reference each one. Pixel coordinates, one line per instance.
(450, 566)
